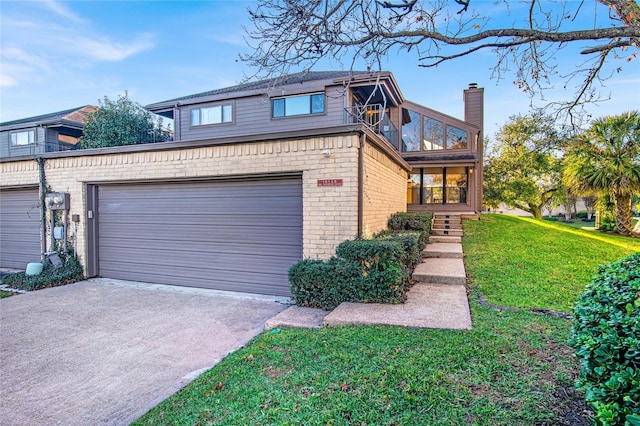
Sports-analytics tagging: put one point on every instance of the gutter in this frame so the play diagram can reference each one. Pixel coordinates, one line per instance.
(363, 140)
(42, 193)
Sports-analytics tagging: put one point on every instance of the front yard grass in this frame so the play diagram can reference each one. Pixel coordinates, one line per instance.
(514, 367)
(524, 262)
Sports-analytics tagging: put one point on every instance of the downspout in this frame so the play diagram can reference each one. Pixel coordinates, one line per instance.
(361, 183)
(42, 193)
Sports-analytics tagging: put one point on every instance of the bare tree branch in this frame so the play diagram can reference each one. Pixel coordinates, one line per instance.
(289, 34)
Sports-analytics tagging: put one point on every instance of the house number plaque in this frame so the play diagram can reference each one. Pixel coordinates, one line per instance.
(329, 182)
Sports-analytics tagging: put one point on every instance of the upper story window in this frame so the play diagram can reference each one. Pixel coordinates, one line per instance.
(24, 137)
(424, 133)
(217, 114)
(297, 105)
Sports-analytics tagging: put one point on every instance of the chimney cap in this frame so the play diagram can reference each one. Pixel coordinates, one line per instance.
(473, 85)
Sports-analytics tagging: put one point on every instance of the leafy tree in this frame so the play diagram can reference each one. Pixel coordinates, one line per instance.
(605, 160)
(122, 122)
(524, 170)
(288, 34)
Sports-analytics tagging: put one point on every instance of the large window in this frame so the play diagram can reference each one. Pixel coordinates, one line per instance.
(297, 105)
(22, 138)
(456, 138)
(424, 133)
(411, 133)
(438, 185)
(217, 114)
(433, 134)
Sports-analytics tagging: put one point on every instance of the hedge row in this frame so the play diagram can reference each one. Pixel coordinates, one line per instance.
(606, 338)
(369, 271)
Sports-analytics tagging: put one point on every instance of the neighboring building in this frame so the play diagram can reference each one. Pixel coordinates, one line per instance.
(259, 176)
(58, 131)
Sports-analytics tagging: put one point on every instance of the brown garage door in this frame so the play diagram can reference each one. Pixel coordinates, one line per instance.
(19, 227)
(240, 235)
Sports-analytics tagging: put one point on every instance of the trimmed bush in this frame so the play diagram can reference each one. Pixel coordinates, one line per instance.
(606, 338)
(410, 243)
(412, 221)
(367, 271)
(69, 272)
(324, 285)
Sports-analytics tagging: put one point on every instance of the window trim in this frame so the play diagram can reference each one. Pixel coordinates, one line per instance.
(17, 145)
(300, 95)
(222, 105)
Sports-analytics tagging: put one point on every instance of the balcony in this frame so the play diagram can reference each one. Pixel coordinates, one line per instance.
(375, 117)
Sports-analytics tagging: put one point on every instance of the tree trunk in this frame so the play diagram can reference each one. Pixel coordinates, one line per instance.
(536, 211)
(622, 203)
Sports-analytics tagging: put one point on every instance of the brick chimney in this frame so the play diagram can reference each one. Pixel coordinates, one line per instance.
(474, 114)
(474, 106)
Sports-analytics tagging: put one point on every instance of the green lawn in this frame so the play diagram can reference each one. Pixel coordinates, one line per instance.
(512, 368)
(4, 294)
(519, 261)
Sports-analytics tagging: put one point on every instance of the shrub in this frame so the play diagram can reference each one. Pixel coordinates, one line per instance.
(69, 272)
(412, 221)
(410, 243)
(368, 271)
(607, 223)
(606, 338)
(324, 285)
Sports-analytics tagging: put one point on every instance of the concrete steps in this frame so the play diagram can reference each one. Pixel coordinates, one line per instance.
(446, 225)
(440, 271)
(445, 239)
(442, 250)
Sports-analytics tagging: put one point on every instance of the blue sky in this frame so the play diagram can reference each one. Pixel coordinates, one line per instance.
(56, 55)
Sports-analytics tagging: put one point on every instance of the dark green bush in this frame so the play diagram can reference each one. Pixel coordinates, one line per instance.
(606, 338)
(69, 272)
(410, 243)
(412, 221)
(370, 254)
(324, 285)
(368, 271)
(607, 223)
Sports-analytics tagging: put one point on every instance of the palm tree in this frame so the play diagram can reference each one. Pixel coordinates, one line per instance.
(606, 160)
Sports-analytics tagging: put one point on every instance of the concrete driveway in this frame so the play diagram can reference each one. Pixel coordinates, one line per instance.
(103, 352)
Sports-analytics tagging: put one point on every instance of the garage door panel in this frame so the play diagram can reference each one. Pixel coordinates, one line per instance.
(236, 235)
(19, 227)
(248, 261)
(266, 249)
(186, 220)
(254, 283)
(244, 207)
(213, 234)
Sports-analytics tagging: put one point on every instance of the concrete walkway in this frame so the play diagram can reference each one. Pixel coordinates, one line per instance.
(438, 300)
(104, 352)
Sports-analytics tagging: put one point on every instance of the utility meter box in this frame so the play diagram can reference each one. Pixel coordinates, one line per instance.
(57, 200)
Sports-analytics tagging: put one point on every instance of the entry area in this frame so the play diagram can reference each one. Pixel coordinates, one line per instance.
(237, 235)
(19, 227)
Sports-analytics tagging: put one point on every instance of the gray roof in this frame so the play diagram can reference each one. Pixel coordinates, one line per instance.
(299, 77)
(45, 118)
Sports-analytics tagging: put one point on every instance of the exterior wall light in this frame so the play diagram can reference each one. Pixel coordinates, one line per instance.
(326, 153)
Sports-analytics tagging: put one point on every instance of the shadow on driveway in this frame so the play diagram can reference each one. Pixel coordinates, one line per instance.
(105, 351)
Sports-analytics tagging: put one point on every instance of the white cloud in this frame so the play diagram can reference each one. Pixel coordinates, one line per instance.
(33, 45)
(61, 10)
(104, 49)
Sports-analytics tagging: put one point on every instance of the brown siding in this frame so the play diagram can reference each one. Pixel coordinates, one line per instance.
(252, 115)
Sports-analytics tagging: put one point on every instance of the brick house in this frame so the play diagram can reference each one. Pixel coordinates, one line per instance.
(258, 176)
